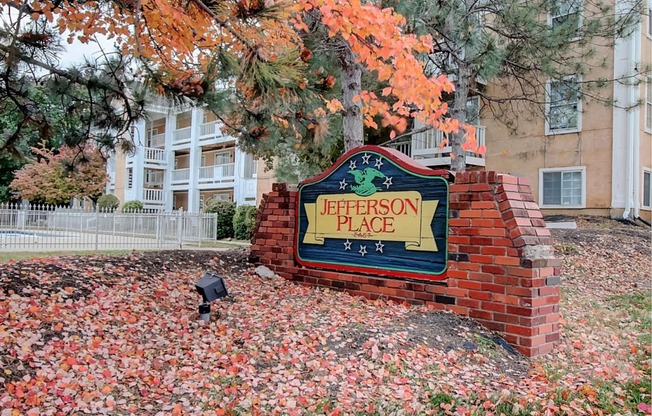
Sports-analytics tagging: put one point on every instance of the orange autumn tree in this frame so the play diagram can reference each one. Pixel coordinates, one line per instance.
(255, 49)
(55, 177)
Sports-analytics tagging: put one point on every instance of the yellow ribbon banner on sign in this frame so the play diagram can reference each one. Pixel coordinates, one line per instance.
(388, 216)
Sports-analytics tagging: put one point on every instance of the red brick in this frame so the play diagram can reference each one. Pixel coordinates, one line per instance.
(479, 258)
(479, 295)
(482, 241)
(481, 277)
(534, 213)
(490, 287)
(483, 205)
(468, 266)
(496, 251)
(521, 272)
(493, 306)
(493, 269)
(399, 284)
(458, 188)
(469, 303)
(509, 319)
(553, 337)
(532, 341)
(481, 222)
(470, 214)
(492, 232)
(503, 242)
(493, 213)
(542, 232)
(424, 296)
(480, 187)
(534, 282)
(481, 314)
(458, 239)
(459, 222)
(506, 280)
(518, 310)
(460, 310)
(521, 291)
(452, 291)
(504, 178)
(507, 261)
(468, 284)
(506, 299)
(520, 330)
(458, 274)
(440, 290)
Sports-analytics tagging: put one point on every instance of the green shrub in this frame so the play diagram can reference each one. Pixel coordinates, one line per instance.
(244, 221)
(225, 211)
(108, 202)
(131, 206)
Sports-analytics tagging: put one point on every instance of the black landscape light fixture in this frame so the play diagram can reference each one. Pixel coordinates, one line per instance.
(210, 287)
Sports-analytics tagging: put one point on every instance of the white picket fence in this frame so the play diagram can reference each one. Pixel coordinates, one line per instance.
(51, 228)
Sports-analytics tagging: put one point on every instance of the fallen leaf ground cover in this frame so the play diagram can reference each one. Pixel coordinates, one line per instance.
(119, 335)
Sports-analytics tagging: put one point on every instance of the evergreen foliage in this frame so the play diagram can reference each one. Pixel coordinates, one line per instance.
(108, 202)
(132, 206)
(225, 211)
(244, 220)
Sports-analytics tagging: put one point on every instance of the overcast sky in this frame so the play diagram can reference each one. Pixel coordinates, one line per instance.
(76, 52)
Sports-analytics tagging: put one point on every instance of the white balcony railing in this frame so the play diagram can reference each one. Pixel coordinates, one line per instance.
(181, 135)
(157, 140)
(180, 176)
(217, 173)
(210, 129)
(152, 196)
(155, 156)
(111, 176)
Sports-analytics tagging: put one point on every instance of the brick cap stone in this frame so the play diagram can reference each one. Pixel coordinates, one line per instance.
(538, 252)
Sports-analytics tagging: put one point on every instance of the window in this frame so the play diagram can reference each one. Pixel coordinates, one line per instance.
(209, 117)
(566, 17)
(648, 105)
(647, 189)
(222, 158)
(563, 106)
(250, 167)
(562, 187)
(130, 178)
(184, 120)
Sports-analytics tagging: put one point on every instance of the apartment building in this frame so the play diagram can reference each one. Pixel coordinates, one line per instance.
(182, 160)
(582, 156)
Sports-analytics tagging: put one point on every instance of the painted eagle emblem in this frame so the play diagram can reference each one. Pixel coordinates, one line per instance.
(364, 180)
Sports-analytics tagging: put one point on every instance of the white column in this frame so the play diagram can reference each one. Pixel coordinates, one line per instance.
(195, 159)
(170, 124)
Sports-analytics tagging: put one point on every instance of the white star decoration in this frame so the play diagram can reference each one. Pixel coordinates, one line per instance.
(388, 182)
(363, 250)
(343, 184)
(352, 164)
(365, 159)
(347, 245)
(379, 162)
(379, 246)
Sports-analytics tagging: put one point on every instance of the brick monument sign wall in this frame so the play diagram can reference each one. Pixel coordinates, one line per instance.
(498, 269)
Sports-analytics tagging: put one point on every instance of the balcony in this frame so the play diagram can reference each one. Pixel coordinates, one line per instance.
(210, 133)
(157, 140)
(155, 156)
(180, 176)
(431, 148)
(217, 174)
(152, 197)
(181, 136)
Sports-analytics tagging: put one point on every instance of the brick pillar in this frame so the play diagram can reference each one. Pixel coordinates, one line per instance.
(502, 269)
(273, 240)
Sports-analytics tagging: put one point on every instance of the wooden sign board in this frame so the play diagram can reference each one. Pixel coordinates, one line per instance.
(375, 211)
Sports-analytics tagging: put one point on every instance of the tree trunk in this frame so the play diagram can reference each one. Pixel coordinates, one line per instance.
(458, 159)
(351, 87)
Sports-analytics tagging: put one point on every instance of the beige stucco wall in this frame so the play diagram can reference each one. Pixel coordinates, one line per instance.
(265, 179)
(527, 149)
(120, 176)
